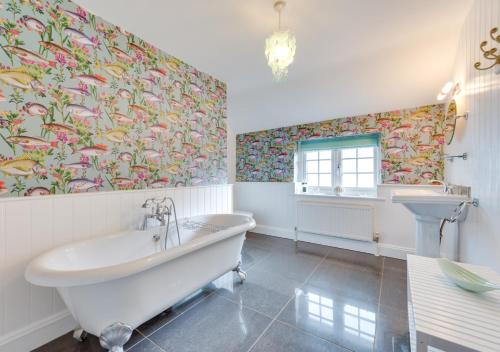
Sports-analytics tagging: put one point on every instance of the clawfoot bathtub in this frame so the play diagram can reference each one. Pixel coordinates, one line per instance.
(115, 283)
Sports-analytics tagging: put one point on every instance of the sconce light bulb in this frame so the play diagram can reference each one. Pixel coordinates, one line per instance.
(447, 87)
(441, 96)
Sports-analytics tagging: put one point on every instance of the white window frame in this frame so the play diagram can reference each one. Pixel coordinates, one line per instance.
(336, 172)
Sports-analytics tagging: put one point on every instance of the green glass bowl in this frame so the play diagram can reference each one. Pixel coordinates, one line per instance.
(464, 278)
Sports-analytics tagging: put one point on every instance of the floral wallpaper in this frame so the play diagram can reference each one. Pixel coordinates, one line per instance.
(411, 145)
(87, 106)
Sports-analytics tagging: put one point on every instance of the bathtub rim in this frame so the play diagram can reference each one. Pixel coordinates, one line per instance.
(40, 274)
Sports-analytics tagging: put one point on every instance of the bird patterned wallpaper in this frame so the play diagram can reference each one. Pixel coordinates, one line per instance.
(87, 106)
(411, 145)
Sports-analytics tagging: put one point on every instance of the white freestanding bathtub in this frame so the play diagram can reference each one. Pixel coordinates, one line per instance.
(118, 282)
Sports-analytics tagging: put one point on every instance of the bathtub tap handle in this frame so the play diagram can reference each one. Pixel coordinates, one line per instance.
(147, 203)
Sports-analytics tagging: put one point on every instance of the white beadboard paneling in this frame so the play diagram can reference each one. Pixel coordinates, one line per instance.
(213, 200)
(479, 136)
(179, 203)
(29, 226)
(2, 269)
(62, 218)
(17, 247)
(113, 212)
(207, 196)
(42, 238)
(195, 203)
(82, 210)
(98, 216)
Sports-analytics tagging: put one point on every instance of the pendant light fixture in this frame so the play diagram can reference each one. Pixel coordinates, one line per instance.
(280, 47)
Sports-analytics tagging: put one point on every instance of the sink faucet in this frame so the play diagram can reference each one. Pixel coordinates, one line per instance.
(446, 186)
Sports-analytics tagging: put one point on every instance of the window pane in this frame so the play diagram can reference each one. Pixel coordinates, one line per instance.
(349, 165)
(325, 180)
(312, 155)
(312, 167)
(349, 180)
(365, 152)
(365, 165)
(312, 180)
(366, 180)
(325, 166)
(349, 153)
(325, 154)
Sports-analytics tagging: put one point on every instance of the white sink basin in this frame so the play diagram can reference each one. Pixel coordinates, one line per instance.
(429, 207)
(428, 203)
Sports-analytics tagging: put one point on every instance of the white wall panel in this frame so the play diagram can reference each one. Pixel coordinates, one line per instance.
(3, 277)
(42, 238)
(18, 250)
(479, 136)
(30, 226)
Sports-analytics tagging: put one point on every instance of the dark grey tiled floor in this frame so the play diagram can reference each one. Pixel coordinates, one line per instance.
(313, 298)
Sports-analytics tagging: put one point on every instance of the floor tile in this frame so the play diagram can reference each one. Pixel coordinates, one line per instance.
(394, 291)
(252, 254)
(292, 266)
(145, 346)
(394, 264)
(268, 242)
(283, 338)
(287, 246)
(338, 318)
(264, 290)
(347, 280)
(359, 260)
(164, 317)
(392, 334)
(67, 343)
(216, 325)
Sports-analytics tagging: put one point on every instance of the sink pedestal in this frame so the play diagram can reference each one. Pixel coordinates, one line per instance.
(430, 207)
(427, 236)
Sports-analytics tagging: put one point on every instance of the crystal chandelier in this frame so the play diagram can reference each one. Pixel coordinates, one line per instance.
(280, 47)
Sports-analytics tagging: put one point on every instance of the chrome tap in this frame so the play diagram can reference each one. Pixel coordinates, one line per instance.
(158, 211)
(446, 186)
(161, 208)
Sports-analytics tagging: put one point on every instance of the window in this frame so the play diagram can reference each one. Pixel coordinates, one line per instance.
(349, 162)
(358, 167)
(319, 168)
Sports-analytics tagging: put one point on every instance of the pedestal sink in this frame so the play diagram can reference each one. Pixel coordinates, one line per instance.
(429, 208)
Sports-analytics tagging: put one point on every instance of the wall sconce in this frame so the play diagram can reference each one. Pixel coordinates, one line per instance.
(449, 90)
(490, 54)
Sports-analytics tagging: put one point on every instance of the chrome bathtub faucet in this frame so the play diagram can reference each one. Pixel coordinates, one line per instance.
(159, 210)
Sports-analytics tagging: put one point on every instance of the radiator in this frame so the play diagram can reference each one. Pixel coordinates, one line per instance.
(335, 219)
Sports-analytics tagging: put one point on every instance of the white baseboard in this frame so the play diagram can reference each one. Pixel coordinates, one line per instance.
(385, 249)
(275, 231)
(38, 333)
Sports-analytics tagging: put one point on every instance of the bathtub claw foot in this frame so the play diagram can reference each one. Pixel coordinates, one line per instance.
(115, 336)
(79, 334)
(242, 275)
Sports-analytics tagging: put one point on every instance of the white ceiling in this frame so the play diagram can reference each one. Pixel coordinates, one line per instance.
(353, 56)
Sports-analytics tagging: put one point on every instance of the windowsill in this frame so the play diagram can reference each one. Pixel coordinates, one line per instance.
(342, 196)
